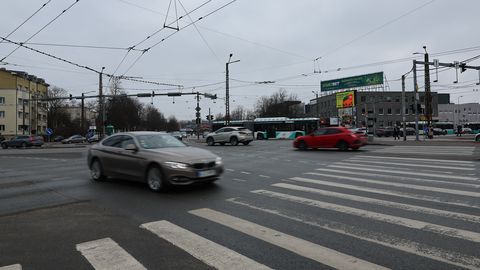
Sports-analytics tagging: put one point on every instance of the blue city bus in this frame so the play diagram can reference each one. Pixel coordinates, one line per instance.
(275, 127)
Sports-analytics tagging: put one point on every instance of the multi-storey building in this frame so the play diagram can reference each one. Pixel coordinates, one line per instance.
(459, 114)
(375, 108)
(20, 111)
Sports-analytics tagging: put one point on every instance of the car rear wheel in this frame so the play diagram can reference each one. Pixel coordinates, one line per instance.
(246, 143)
(478, 139)
(155, 178)
(343, 146)
(24, 145)
(234, 141)
(4, 146)
(210, 141)
(96, 171)
(260, 136)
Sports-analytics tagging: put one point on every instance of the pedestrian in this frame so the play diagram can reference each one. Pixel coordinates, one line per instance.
(425, 132)
(396, 133)
(459, 130)
(430, 132)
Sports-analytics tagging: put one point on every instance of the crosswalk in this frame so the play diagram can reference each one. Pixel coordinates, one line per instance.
(428, 150)
(424, 213)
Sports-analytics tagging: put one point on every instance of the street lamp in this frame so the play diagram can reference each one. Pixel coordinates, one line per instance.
(458, 117)
(316, 102)
(227, 90)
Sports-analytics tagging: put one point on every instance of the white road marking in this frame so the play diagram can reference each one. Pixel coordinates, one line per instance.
(245, 172)
(106, 254)
(403, 206)
(229, 170)
(437, 161)
(407, 173)
(201, 248)
(12, 267)
(296, 245)
(399, 221)
(361, 165)
(264, 176)
(239, 180)
(375, 190)
(416, 179)
(412, 165)
(405, 245)
(401, 185)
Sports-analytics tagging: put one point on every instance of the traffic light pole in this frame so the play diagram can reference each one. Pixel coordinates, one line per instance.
(404, 125)
(198, 120)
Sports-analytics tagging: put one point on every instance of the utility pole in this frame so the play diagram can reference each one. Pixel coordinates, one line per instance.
(316, 103)
(227, 91)
(101, 105)
(428, 96)
(82, 117)
(415, 105)
(198, 120)
(404, 125)
(23, 114)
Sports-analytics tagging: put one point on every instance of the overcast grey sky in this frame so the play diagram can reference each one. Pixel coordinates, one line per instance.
(275, 40)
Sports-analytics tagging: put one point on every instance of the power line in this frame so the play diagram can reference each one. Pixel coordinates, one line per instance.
(41, 29)
(81, 46)
(31, 16)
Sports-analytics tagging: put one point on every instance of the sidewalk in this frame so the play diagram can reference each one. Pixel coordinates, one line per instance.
(465, 140)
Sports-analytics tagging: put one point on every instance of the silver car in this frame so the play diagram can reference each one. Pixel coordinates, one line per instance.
(232, 135)
(156, 158)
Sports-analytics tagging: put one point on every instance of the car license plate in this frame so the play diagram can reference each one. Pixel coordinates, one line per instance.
(206, 173)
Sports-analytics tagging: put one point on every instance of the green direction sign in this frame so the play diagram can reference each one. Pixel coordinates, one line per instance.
(352, 82)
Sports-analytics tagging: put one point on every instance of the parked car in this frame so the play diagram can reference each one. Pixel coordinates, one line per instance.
(177, 134)
(58, 139)
(232, 135)
(156, 158)
(2, 138)
(23, 141)
(74, 139)
(93, 138)
(439, 131)
(477, 137)
(384, 132)
(409, 131)
(331, 137)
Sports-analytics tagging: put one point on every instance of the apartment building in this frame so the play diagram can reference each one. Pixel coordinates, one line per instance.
(20, 112)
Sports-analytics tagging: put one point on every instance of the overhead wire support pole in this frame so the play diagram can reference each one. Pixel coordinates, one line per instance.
(227, 90)
(101, 104)
(428, 95)
(404, 125)
(415, 105)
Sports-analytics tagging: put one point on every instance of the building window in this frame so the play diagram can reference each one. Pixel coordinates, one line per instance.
(398, 111)
(397, 99)
(406, 110)
(2, 127)
(20, 114)
(19, 101)
(389, 111)
(2, 114)
(363, 110)
(363, 98)
(2, 100)
(380, 110)
(389, 99)
(390, 123)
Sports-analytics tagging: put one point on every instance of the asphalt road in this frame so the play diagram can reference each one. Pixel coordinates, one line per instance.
(398, 207)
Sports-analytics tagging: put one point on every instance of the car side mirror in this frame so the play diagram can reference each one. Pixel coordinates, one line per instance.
(131, 147)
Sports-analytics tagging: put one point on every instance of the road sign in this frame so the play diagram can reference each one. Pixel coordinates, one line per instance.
(49, 131)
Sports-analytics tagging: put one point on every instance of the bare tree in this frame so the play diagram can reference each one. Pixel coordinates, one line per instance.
(239, 113)
(55, 107)
(115, 86)
(278, 104)
(124, 113)
(172, 124)
(153, 119)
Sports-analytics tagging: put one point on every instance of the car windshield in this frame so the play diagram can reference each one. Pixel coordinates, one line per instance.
(153, 141)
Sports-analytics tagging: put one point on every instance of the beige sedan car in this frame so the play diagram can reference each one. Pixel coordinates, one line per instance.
(158, 159)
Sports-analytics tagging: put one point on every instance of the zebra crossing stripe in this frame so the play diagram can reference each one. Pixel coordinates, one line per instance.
(383, 191)
(106, 254)
(400, 221)
(296, 245)
(406, 173)
(203, 249)
(389, 241)
(437, 161)
(12, 267)
(408, 207)
(411, 165)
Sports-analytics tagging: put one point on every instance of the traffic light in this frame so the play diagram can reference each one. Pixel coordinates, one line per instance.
(71, 97)
(198, 121)
(463, 67)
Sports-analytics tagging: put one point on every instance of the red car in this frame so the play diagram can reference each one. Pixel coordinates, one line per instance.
(331, 137)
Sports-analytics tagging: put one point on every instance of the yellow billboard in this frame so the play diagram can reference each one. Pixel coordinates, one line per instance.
(345, 99)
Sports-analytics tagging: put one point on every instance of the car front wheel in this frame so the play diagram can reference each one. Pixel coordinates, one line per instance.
(234, 141)
(155, 179)
(4, 146)
(210, 141)
(343, 146)
(96, 171)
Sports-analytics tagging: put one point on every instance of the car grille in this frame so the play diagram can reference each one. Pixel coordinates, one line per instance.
(205, 165)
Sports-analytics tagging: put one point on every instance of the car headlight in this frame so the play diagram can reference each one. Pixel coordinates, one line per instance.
(176, 165)
(218, 161)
